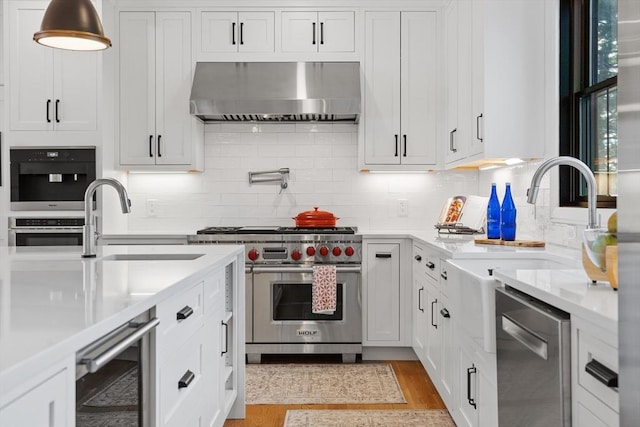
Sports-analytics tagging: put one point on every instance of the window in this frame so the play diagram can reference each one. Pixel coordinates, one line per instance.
(588, 97)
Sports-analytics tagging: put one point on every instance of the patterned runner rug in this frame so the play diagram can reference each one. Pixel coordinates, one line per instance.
(368, 418)
(322, 384)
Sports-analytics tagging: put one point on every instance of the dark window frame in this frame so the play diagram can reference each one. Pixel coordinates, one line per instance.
(574, 76)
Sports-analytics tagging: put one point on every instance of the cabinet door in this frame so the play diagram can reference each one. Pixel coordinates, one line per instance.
(336, 32)
(256, 32)
(448, 368)
(75, 104)
(383, 292)
(213, 369)
(419, 84)
(467, 386)
(173, 88)
(477, 78)
(31, 70)
(434, 332)
(45, 405)
(382, 88)
(137, 88)
(419, 319)
(299, 32)
(219, 32)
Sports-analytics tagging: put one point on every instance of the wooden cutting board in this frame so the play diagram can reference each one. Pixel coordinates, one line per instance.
(520, 243)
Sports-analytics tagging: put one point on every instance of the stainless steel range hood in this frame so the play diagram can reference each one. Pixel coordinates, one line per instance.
(276, 91)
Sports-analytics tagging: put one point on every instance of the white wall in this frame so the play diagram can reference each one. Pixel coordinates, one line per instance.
(324, 173)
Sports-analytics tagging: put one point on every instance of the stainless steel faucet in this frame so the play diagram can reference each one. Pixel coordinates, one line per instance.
(89, 235)
(592, 191)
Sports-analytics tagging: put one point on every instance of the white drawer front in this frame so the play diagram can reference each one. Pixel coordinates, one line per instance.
(590, 349)
(180, 316)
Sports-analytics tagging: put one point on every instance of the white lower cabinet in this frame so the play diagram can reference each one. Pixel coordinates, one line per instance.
(48, 403)
(594, 375)
(419, 314)
(385, 295)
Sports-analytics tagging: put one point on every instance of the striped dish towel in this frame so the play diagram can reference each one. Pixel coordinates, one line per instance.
(323, 289)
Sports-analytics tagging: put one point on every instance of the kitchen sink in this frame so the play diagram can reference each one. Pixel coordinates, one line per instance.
(151, 257)
(471, 292)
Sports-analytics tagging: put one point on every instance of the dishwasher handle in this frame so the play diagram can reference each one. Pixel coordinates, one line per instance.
(94, 364)
(525, 336)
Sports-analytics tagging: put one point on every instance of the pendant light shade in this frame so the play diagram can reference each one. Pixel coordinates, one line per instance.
(72, 25)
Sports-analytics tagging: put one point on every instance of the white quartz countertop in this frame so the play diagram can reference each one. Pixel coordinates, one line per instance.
(53, 302)
(570, 290)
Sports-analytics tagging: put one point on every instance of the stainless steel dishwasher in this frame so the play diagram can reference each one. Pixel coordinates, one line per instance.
(534, 361)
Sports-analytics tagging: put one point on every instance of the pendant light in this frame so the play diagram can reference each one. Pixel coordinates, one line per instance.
(72, 25)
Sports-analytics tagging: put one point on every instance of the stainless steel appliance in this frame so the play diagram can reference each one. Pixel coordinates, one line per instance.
(121, 360)
(276, 91)
(629, 209)
(40, 231)
(279, 267)
(533, 361)
(50, 178)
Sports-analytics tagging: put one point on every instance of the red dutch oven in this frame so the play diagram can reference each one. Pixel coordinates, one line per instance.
(315, 219)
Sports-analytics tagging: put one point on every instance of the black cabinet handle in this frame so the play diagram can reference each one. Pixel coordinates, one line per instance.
(420, 299)
(404, 150)
(431, 265)
(434, 302)
(444, 275)
(396, 154)
(322, 33)
(57, 110)
(226, 338)
(184, 313)
(383, 255)
(313, 28)
(451, 141)
(417, 258)
(478, 128)
(445, 313)
(159, 138)
(48, 108)
(233, 33)
(242, 33)
(150, 145)
(470, 371)
(603, 374)
(186, 379)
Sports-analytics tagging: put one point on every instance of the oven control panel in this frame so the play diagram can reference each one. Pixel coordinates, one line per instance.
(305, 252)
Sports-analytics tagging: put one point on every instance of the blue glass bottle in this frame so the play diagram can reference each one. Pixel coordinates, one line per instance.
(508, 216)
(493, 214)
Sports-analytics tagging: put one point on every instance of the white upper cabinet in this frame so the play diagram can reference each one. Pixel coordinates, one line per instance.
(318, 31)
(227, 32)
(50, 89)
(156, 128)
(400, 90)
(496, 105)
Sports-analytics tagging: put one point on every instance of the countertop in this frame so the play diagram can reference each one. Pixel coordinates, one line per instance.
(53, 302)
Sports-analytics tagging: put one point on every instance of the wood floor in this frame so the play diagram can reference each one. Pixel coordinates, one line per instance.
(418, 390)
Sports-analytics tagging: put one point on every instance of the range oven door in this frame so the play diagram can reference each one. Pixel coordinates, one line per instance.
(282, 307)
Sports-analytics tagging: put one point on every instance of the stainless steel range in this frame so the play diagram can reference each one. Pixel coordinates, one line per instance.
(279, 273)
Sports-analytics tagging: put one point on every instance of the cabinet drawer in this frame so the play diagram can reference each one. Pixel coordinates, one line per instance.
(443, 276)
(591, 412)
(596, 353)
(180, 316)
(180, 379)
(432, 265)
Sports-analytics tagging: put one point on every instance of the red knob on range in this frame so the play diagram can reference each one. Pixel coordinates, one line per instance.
(336, 251)
(324, 251)
(253, 254)
(311, 251)
(349, 251)
(296, 255)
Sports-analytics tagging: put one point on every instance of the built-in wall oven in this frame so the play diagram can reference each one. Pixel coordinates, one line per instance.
(39, 231)
(279, 281)
(50, 178)
(114, 379)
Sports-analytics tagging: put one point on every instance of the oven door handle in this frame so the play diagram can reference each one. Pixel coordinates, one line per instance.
(280, 269)
(94, 364)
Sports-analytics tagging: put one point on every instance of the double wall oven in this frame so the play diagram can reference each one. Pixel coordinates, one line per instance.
(279, 281)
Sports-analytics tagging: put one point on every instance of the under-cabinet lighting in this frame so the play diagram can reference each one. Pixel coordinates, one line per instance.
(513, 161)
(488, 167)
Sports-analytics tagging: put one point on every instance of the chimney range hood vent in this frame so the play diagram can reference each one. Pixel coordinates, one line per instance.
(276, 92)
